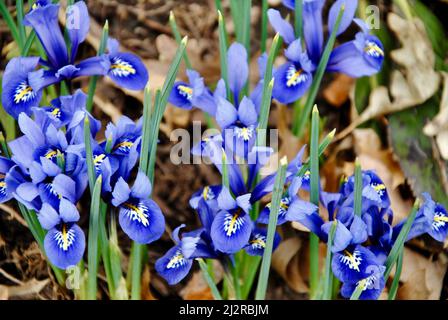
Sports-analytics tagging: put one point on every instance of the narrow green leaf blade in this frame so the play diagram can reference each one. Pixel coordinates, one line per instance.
(273, 218)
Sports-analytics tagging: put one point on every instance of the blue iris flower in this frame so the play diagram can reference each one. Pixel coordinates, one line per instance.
(291, 206)
(266, 185)
(23, 84)
(354, 263)
(125, 140)
(193, 94)
(373, 284)
(64, 242)
(361, 57)
(212, 147)
(431, 218)
(126, 69)
(140, 217)
(232, 227)
(374, 192)
(208, 194)
(239, 125)
(47, 166)
(174, 265)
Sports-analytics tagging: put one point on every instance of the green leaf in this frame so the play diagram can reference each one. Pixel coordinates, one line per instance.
(136, 269)
(397, 248)
(146, 131)
(264, 24)
(322, 147)
(208, 278)
(178, 37)
(20, 25)
(358, 189)
(223, 43)
(314, 198)
(268, 84)
(272, 225)
(298, 23)
(89, 154)
(29, 43)
(299, 124)
(328, 276)
(94, 79)
(93, 249)
(10, 22)
(394, 287)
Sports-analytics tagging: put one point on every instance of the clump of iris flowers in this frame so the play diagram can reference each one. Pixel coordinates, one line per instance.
(360, 57)
(26, 77)
(47, 173)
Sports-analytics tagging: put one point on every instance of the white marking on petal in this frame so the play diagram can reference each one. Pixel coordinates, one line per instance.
(177, 261)
(139, 213)
(122, 68)
(23, 93)
(351, 260)
(232, 223)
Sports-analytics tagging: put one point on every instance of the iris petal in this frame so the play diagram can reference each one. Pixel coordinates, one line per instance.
(4, 194)
(44, 21)
(439, 227)
(291, 83)
(257, 242)
(173, 266)
(65, 245)
(231, 231)
(354, 264)
(182, 95)
(142, 220)
(128, 71)
(77, 24)
(17, 94)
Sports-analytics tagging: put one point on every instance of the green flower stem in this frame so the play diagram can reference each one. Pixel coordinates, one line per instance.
(223, 43)
(298, 22)
(94, 79)
(328, 276)
(93, 240)
(272, 225)
(401, 239)
(358, 189)
(209, 279)
(178, 37)
(264, 24)
(358, 291)
(396, 282)
(10, 22)
(314, 197)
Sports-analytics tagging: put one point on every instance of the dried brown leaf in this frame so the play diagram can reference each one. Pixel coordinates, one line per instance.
(416, 83)
(422, 278)
(337, 93)
(285, 260)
